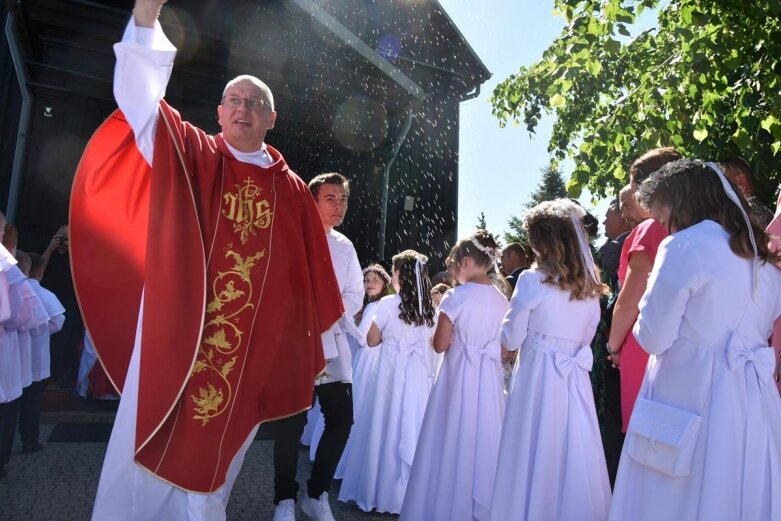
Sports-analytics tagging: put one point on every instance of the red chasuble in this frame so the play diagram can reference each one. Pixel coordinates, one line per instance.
(237, 287)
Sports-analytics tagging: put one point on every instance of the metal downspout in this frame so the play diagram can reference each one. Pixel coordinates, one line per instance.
(386, 179)
(24, 120)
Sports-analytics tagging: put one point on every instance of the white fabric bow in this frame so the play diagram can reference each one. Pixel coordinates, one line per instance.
(417, 348)
(493, 350)
(566, 363)
(762, 359)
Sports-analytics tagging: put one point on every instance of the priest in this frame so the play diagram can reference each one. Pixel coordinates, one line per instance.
(205, 281)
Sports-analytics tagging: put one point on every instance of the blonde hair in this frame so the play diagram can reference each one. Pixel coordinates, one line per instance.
(552, 235)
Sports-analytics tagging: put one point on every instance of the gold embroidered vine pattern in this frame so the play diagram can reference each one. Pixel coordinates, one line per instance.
(231, 295)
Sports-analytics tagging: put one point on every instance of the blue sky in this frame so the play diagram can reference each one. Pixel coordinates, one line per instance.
(500, 167)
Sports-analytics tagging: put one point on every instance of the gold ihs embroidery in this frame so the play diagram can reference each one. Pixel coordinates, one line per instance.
(232, 294)
(246, 210)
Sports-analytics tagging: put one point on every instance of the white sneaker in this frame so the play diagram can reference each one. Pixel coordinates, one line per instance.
(285, 511)
(318, 509)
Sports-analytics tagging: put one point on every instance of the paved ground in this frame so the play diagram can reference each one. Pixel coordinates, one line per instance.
(59, 484)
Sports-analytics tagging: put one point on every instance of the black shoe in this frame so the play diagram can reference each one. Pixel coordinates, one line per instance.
(29, 449)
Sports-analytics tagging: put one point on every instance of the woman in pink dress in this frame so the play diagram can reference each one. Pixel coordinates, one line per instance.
(637, 259)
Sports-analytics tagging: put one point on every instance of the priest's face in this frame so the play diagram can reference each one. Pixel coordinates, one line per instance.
(245, 116)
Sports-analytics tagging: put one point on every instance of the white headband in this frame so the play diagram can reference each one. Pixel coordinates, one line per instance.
(585, 252)
(735, 199)
(491, 252)
(419, 263)
(380, 273)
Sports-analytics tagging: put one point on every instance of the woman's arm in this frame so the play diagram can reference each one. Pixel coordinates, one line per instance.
(443, 335)
(55, 243)
(626, 308)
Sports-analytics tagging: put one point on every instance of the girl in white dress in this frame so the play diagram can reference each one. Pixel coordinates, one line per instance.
(376, 284)
(453, 473)
(705, 318)
(379, 453)
(551, 463)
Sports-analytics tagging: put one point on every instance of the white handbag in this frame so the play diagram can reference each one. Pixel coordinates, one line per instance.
(662, 437)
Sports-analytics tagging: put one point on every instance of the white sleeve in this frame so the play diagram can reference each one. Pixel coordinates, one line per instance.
(366, 319)
(353, 291)
(40, 319)
(56, 322)
(380, 317)
(674, 278)
(450, 305)
(5, 299)
(23, 310)
(516, 321)
(145, 58)
(328, 339)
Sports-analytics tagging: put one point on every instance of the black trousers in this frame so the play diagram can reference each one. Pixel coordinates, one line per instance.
(8, 414)
(336, 403)
(30, 413)
(612, 437)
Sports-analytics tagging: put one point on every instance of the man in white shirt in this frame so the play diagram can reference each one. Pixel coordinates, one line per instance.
(333, 388)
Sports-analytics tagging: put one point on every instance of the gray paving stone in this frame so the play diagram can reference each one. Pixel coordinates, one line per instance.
(59, 484)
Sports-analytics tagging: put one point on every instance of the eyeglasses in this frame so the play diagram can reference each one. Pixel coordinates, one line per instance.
(251, 103)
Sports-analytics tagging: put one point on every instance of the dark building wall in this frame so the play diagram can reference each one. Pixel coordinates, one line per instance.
(61, 126)
(10, 109)
(427, 170)
(310, 132)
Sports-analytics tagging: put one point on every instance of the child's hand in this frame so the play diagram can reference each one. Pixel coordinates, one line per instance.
(615, 360)
(509, 356)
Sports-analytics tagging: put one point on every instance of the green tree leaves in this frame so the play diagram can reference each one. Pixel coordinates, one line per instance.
(706, 79)
(700, 134)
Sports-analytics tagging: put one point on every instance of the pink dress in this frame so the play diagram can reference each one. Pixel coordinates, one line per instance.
(774, 229)
(645, 237)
